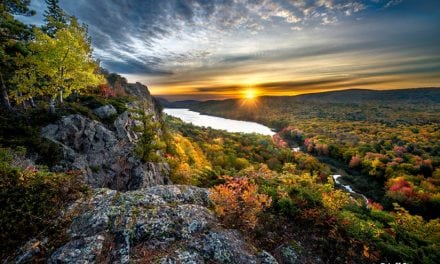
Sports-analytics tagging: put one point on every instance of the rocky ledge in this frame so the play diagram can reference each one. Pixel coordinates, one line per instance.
(104, 155)
(160, 224)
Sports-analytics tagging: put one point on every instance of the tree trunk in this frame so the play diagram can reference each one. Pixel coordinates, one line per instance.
(4, 95)
(61, 96)
(52, 106)
(23, 103)
(31, 101)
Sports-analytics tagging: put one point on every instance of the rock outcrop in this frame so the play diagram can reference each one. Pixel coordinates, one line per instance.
(105, 157)
(160, 224)
(132, 216)
(105, 152)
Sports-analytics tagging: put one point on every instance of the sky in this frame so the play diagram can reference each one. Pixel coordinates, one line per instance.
(214, 49)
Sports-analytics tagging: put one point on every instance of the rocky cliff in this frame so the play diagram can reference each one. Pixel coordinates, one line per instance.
(105, 152)
(134, 214)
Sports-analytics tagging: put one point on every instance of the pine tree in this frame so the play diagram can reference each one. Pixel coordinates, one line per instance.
(54, 16)
(149, 142)
(13, 37)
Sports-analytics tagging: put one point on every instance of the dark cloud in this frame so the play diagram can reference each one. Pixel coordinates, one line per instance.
(227, 88)
(298, 86)
(337, 83)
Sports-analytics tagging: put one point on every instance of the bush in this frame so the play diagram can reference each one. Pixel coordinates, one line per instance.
(19, 129)
(31, 201)
(238, 203)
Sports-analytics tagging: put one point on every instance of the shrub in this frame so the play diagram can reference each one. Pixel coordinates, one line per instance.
(31, 201)
(238, 203)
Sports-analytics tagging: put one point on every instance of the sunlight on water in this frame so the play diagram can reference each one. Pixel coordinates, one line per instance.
(229, 125)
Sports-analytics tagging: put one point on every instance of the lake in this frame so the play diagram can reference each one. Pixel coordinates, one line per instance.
(214, 122)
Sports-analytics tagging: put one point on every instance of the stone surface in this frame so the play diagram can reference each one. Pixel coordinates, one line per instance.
(288, 254)
(105, 111)
(105, 153)
(105, 157)
(170, 223)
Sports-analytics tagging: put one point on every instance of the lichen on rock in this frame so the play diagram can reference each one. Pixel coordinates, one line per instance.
(170, 222)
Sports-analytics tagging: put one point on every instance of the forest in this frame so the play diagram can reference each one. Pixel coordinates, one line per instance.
(389, 140)
(264, 188)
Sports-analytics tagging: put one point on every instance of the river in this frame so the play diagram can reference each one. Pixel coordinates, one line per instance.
(214, 122)
(233, 126)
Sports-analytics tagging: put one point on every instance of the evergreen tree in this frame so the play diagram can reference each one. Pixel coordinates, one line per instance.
(13, 37)
(149, 142)
(54, 16)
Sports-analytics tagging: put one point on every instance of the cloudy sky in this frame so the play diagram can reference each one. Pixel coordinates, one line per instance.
(219, 48)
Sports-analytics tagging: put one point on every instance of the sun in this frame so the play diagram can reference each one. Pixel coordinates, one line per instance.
(250, 94)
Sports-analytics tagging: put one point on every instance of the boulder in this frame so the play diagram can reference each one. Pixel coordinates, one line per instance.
(165, 224)
(106, 111)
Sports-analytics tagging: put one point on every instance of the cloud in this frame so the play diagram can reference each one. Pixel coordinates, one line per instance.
(145, 28)
(391, 3)
(214, 43)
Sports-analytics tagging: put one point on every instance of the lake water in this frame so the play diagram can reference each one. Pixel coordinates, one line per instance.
(229, 125)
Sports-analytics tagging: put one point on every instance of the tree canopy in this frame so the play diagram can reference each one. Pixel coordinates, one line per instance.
(57, 66)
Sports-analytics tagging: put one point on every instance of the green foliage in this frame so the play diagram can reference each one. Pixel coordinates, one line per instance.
(32, 199)
(203, 152)
(54, 17)
(150, 144)
(13, 38)
(16, 7)
(303, 195)
(25, 129)
(57, 66)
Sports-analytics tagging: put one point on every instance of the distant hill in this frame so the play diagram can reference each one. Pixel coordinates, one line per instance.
(360, 95)
(413, 95)
(392, 107)
(178, 104)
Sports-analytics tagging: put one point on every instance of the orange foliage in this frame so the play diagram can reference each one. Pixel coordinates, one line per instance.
(106, 90)
(355, 162)
(238, 203)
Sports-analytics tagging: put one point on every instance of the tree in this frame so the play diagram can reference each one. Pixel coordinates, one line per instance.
(13, 37)
(57, 66)
(149, 142)
(55, 17)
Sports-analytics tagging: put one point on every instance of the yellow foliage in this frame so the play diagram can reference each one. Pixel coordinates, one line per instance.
(333, 201)
(188, 162)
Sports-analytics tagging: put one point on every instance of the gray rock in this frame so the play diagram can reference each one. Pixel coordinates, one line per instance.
(225, 246)
(266, 258)
(105, 111)
(179, 256)
(173, 219)
(83, 250)
(105, 157)
(288, 254)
